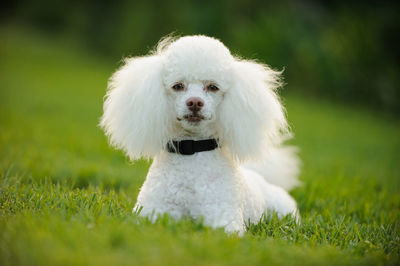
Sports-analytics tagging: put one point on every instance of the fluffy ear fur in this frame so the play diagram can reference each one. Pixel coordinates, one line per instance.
(252, 119)
(135, 110)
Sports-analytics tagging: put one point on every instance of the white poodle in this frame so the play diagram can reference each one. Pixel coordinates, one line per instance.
(214, 127)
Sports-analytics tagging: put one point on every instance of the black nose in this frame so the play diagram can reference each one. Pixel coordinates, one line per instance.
(194, 104)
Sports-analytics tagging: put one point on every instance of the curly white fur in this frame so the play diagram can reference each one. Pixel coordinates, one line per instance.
(228, 186)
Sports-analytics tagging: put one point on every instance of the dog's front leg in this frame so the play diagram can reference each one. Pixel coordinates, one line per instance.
(223, 216)
(153, 212)
(154, 201)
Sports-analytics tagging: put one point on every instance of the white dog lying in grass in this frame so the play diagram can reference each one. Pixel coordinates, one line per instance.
(201, 113)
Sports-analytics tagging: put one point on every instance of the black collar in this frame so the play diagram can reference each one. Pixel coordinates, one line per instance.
(190, 147)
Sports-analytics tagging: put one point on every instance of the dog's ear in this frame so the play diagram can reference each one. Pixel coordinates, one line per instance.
(252, 118)
(135, 115)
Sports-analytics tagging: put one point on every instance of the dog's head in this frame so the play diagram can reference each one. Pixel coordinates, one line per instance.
(193, 88)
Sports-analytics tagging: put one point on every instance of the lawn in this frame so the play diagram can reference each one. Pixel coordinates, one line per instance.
(66, 196)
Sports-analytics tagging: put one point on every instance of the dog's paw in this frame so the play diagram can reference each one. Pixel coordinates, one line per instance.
(235, 228)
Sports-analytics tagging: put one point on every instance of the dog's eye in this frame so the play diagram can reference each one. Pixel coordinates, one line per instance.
(178, 87)
(212, 88)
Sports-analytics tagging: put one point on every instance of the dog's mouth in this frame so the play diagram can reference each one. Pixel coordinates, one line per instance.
(192, 118)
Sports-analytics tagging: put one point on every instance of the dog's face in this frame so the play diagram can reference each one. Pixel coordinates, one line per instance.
(195, 104)
(196, 76)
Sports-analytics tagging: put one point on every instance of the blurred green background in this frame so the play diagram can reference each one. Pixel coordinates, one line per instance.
(344, 50)
(66, 196)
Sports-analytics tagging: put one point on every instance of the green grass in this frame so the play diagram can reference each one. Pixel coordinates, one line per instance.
(66, 197)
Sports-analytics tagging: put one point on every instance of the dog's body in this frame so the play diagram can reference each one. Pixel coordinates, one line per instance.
(212, 186)
(193, 88)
